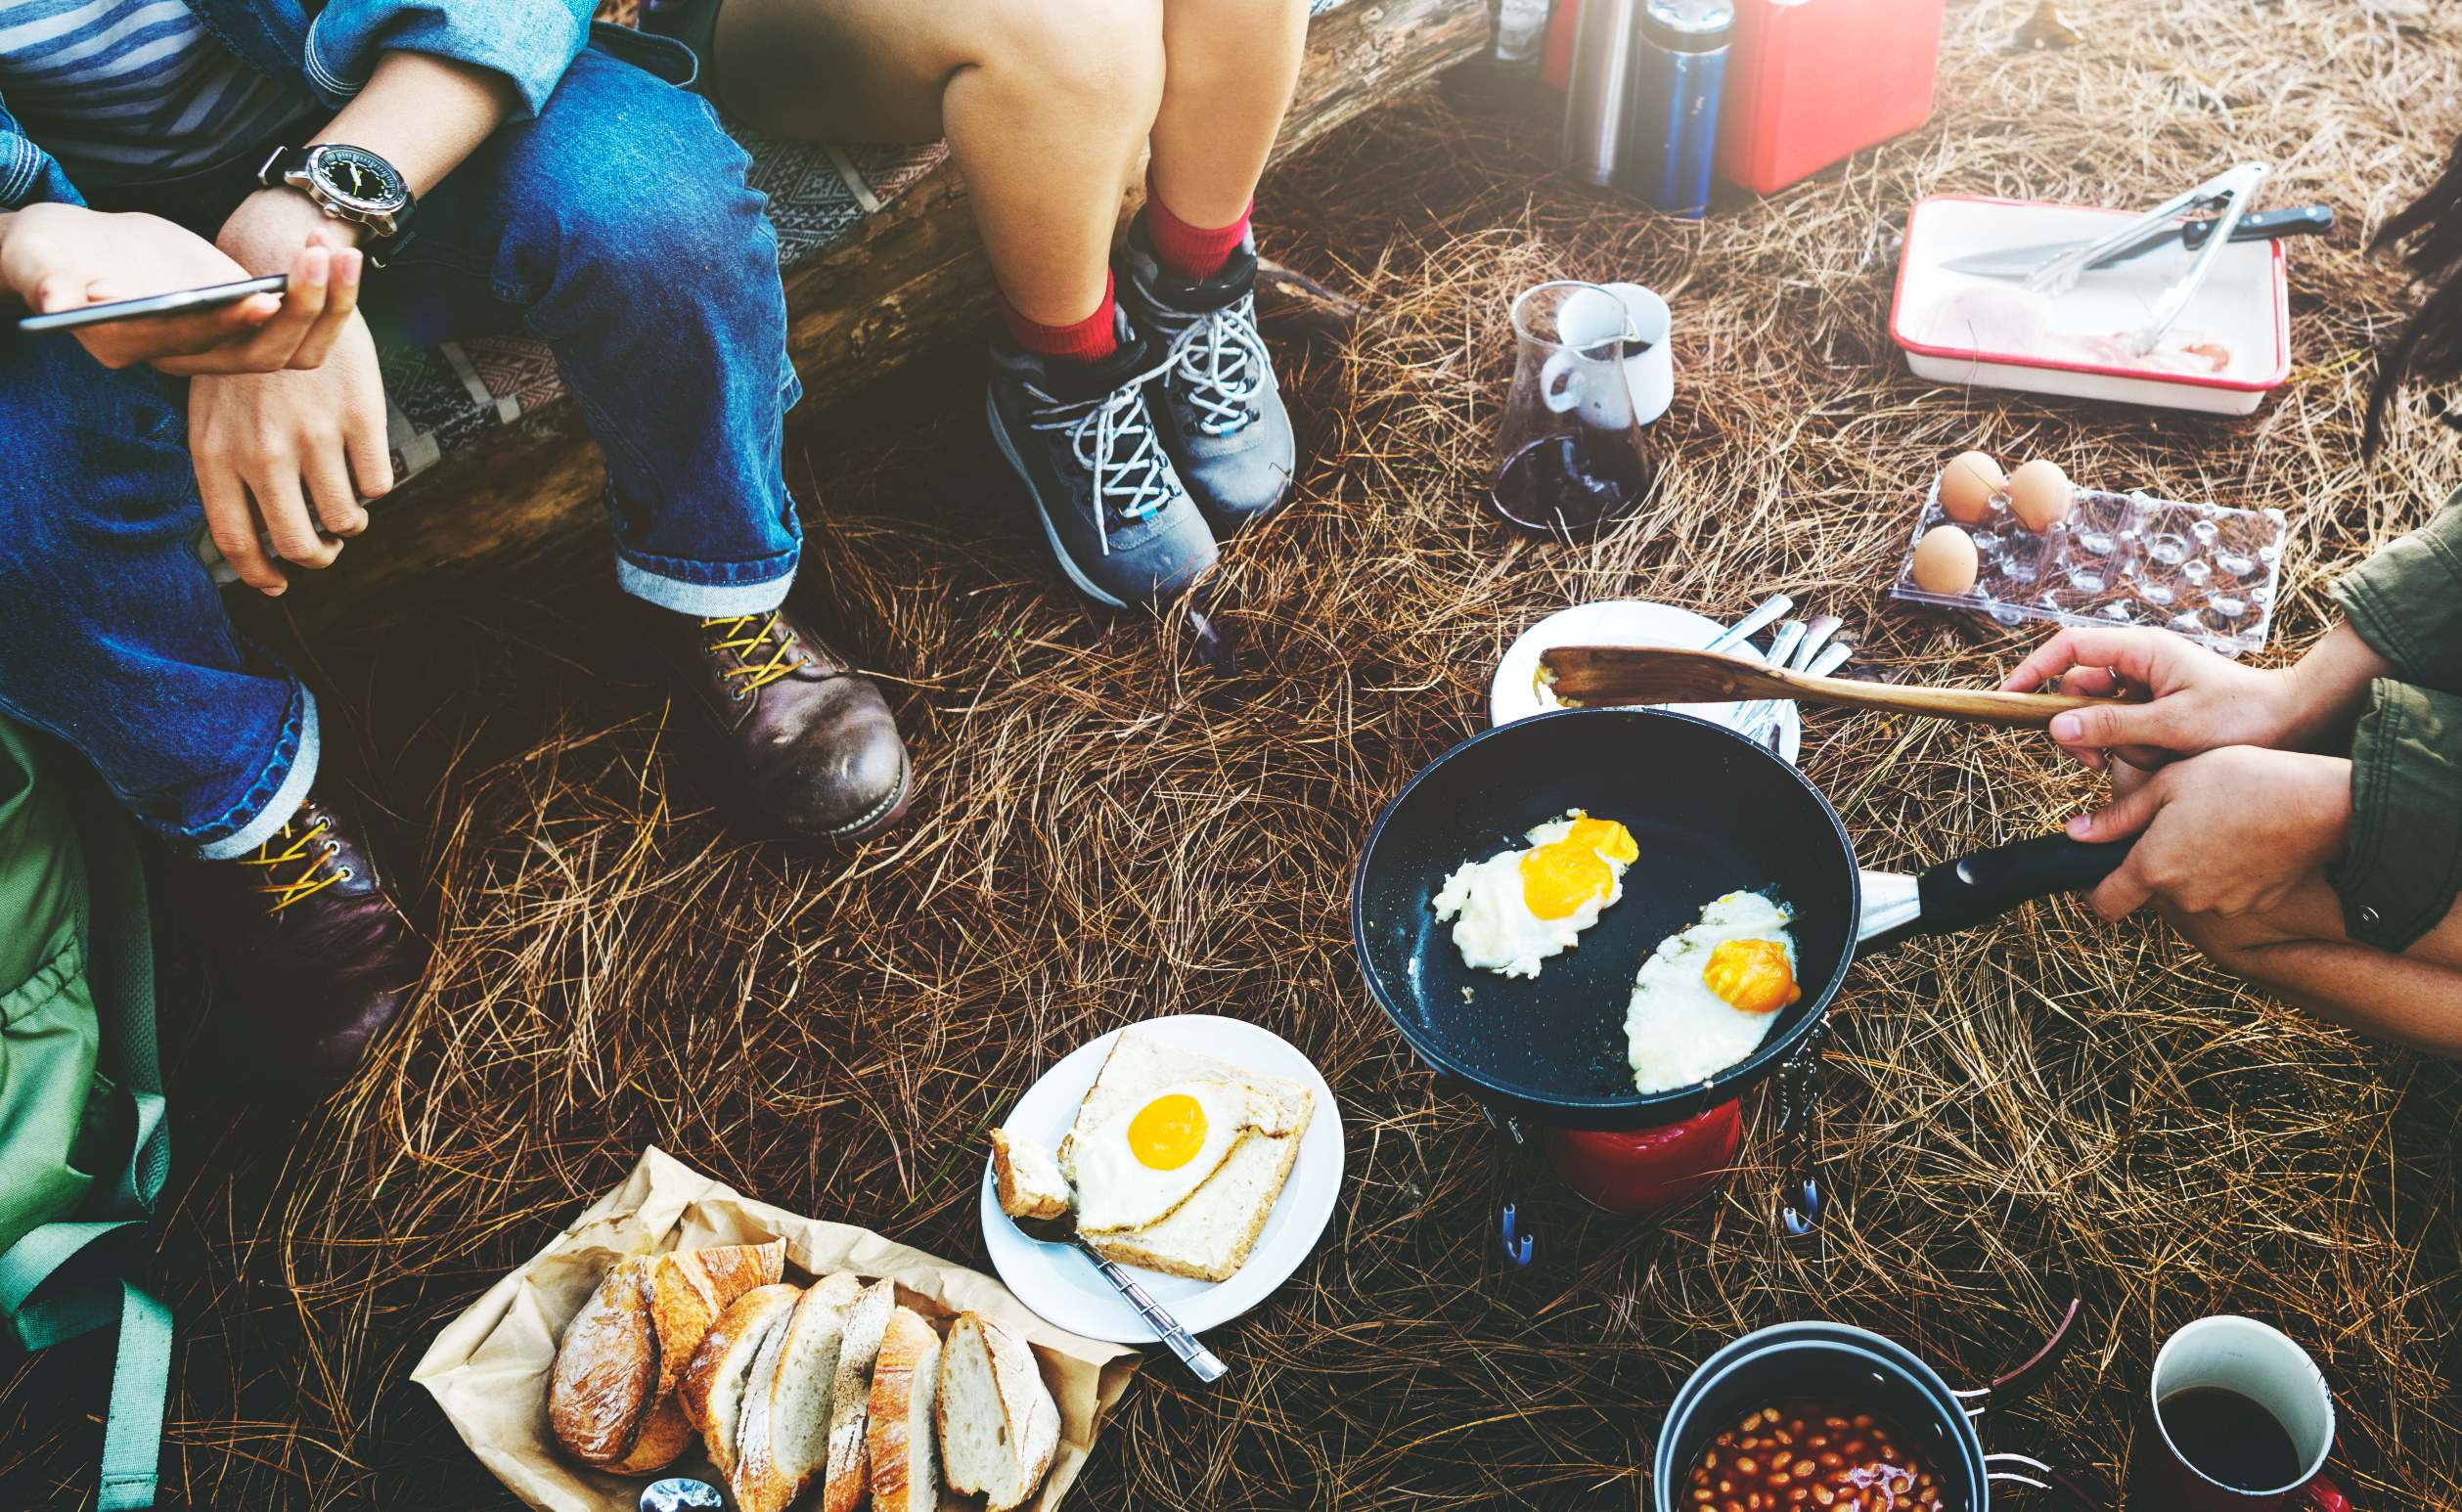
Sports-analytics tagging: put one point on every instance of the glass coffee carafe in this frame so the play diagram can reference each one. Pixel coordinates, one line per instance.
(1569, 457)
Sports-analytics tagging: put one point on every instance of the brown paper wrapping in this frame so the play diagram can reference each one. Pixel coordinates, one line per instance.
(489, 1367)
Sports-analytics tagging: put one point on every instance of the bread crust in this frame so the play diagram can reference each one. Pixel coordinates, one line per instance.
(689, 1289)
(1030, 1419)
(849, 1470)
(1015, 1199)
(712, 1385)
(606, 1368)
(908, 1349)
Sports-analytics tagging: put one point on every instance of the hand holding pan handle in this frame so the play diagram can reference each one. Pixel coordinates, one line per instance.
(1974, 889)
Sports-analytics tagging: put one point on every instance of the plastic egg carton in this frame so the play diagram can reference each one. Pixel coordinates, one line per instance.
(2204, 570)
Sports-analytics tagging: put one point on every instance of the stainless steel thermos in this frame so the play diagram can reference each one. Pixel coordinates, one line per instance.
(1598, 91)
(1641, 107)
(1679, 66)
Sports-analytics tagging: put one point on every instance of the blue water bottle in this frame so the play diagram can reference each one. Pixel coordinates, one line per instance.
(1672, 126)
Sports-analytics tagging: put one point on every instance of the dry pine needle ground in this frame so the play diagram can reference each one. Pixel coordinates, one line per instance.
(1107, 836)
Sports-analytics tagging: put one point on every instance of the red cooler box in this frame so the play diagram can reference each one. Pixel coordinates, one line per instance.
(1809, 82)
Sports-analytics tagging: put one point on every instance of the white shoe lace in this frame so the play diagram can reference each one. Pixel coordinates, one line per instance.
(1217, 363)
(1097, 429)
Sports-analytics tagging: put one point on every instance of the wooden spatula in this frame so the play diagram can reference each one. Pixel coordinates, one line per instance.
(1606, 676)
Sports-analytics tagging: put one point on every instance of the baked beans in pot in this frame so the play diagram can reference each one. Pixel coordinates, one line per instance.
(1739, 1435)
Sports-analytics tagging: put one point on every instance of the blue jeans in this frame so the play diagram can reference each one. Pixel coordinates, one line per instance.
(619, 228)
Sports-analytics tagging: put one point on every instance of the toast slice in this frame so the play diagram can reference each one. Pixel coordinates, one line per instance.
(997, 1422)
(897, 1438)
(606, 1368)
(1027, 1178)
(713, 1382)
(1207, 1237)
(784, 1423)
(849, 1471)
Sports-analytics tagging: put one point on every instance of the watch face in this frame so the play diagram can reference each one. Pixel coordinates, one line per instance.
(358, 179)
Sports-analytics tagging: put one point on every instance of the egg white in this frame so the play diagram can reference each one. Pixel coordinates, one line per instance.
(1493, 928)
(1679, 1032)
(1116, 1191)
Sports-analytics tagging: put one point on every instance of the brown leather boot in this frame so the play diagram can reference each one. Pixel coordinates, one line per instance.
(314, 956)
(809, 749)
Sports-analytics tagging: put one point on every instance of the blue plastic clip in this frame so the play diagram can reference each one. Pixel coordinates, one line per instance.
(1803, 1215)
(1516, 1245)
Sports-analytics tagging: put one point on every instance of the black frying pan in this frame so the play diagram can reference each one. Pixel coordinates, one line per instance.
(1712, 811)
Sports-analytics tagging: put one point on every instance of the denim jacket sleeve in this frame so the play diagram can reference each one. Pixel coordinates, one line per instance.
(2402, 871)
(29, 175)
(530, 42)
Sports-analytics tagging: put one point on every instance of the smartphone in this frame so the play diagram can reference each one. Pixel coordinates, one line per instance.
(180, 302)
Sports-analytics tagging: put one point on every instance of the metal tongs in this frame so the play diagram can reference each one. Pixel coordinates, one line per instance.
(2228, 194)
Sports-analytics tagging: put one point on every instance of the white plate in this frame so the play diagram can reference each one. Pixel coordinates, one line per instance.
(1514, 692)
(2065, 346)
(1063, 1285)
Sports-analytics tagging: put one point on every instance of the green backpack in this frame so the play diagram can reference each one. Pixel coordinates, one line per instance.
(83, 1149)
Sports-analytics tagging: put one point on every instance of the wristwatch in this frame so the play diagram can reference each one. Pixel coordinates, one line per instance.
(347, 183)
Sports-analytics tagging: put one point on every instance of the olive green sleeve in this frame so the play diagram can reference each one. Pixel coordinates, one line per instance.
(2402, 870)
(2406, 601)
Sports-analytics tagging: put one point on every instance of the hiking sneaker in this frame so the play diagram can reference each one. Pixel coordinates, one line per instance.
(314, 956)
(1220, 404)
(1082, 437)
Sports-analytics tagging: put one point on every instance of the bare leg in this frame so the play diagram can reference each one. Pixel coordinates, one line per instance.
(2300, 953)
(1231, 67)
(1045, 105)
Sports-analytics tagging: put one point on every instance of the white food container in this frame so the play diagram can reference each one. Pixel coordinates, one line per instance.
(2229, 348)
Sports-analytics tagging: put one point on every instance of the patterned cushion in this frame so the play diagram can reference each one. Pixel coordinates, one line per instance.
(443, 397)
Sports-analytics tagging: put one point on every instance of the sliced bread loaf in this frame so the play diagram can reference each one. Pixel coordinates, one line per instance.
(899, 1438)
(688, 1290)
(606, 1368)
(712, 1386)
(849, 1471)
(997, 1423)
(784, 1423)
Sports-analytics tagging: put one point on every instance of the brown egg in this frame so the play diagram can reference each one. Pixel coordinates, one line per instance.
(1967, 485)
(2040, 495)
(1945, 561)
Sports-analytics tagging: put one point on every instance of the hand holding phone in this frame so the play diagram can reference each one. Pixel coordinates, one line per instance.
(66, 260)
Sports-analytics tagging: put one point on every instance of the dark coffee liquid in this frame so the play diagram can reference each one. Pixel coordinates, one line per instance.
(1570, 483)
(2231, 1438)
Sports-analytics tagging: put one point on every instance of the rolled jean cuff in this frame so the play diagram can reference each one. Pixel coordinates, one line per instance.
(708, 600)
(284, 793)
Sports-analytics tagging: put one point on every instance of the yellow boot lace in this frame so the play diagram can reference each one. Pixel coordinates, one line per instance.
(297, 842)
(732, 635)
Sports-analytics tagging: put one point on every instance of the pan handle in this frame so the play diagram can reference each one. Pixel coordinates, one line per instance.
(1975, 889)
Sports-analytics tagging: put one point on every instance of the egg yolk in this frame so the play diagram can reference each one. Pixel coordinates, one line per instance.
(1167, 1132)
(1750, 977)
(1560, 877)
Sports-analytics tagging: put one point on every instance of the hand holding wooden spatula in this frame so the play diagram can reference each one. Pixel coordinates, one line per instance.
(1607, 675)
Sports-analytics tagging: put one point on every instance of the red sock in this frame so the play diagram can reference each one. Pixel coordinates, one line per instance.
(1190, 250)
(1089, 341)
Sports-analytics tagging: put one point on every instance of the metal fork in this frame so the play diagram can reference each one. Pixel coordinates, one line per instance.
(1813, 647)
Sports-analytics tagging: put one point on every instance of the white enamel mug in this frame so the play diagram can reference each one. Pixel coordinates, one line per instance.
(2259, 1362)
(1623, 313)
